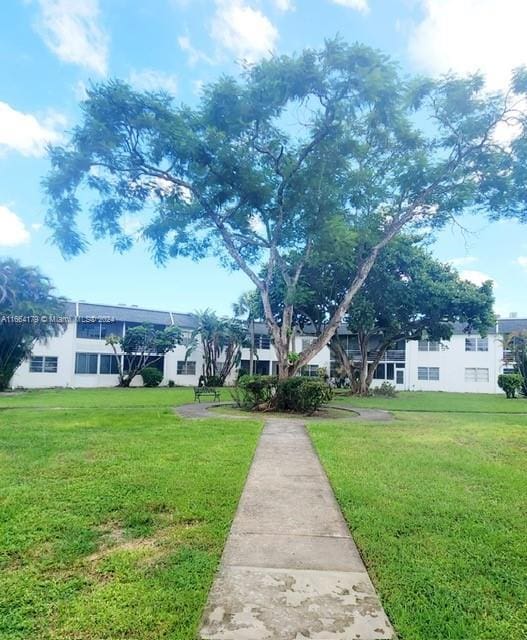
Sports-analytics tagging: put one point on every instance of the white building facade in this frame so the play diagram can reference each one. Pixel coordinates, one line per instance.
(80, 357)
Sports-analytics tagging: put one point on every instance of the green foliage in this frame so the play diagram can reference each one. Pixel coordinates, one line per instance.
(296, 394)
(302, 395)
(152, 377)
(219, 337)
(510, 383)
(141, 346)
(171, 383)
(516, 344)
(29, 311)
(386, 390)
(255, 391)
(269, 162)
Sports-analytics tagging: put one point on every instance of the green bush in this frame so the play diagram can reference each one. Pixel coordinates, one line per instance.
(510, 383)
(171, 383)
(288, 392)
(302, 395)
(151, 377)
(386, 390)
(298, 394)
(213, 381)
(255, 391)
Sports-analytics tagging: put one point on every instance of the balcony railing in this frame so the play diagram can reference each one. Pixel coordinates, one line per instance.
(392, 355)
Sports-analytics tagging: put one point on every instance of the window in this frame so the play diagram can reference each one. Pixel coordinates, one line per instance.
(428, 345)
(187, 368)
(310, 370)
(306, 342)
(428, 373)
(384, 371)
(476, 374)
(111, 329)
(43, 364)
(476, 344)
(399, 379)
(108, 364)
(262, 341)
(90, 330)
(380, 372)
(86, 362)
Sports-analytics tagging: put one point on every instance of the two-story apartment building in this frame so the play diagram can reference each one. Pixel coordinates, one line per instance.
(80, 357)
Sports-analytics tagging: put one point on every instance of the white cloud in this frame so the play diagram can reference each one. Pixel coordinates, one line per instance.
(358, 5)
(522, 262)
(284, 5)
(14, 231)
(476, 277)
(70, 28)
(463, 261)
(22, 132)
(152, 80)
(194, 55)
(36, 226)
(244, 31)
(471, 35)
(131, 226)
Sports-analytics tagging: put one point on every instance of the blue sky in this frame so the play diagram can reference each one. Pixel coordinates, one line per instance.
(51, 49)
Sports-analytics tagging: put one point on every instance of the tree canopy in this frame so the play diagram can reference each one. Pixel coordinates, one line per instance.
(408, 295)
(256, 172)
(29, 311)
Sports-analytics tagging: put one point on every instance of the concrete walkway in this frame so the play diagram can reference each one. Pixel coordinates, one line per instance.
(290, 569)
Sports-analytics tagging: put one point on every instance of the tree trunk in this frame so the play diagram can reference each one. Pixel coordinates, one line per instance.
(364, 343)
(251, 353)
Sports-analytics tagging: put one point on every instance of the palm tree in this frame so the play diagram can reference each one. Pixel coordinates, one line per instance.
(27, 294)
(219, 336)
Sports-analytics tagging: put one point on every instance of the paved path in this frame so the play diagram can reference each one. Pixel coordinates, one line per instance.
(290, 569)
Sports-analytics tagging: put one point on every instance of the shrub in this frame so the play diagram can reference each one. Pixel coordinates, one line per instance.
(213, 381)
(510, 383)
(255, 391)
(151, 377)
(386, 390)
(171, 383)
(303, 395)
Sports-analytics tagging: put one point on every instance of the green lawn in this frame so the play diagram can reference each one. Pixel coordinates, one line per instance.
(113, 516)
(440, 401)
(437, 504)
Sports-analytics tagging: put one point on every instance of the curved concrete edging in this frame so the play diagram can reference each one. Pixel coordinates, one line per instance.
(201, 410)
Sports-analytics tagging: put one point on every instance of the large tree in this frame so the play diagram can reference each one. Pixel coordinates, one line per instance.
(29, 311)
(254, 173)
(408, 295)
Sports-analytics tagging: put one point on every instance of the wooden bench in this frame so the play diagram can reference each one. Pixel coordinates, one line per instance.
(205, 391)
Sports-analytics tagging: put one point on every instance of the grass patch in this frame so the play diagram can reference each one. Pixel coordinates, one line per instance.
(108, 397)
(112, 518)
(439, 401)
(437, 505)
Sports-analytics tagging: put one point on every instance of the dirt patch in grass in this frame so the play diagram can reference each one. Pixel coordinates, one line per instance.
(327, 413)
